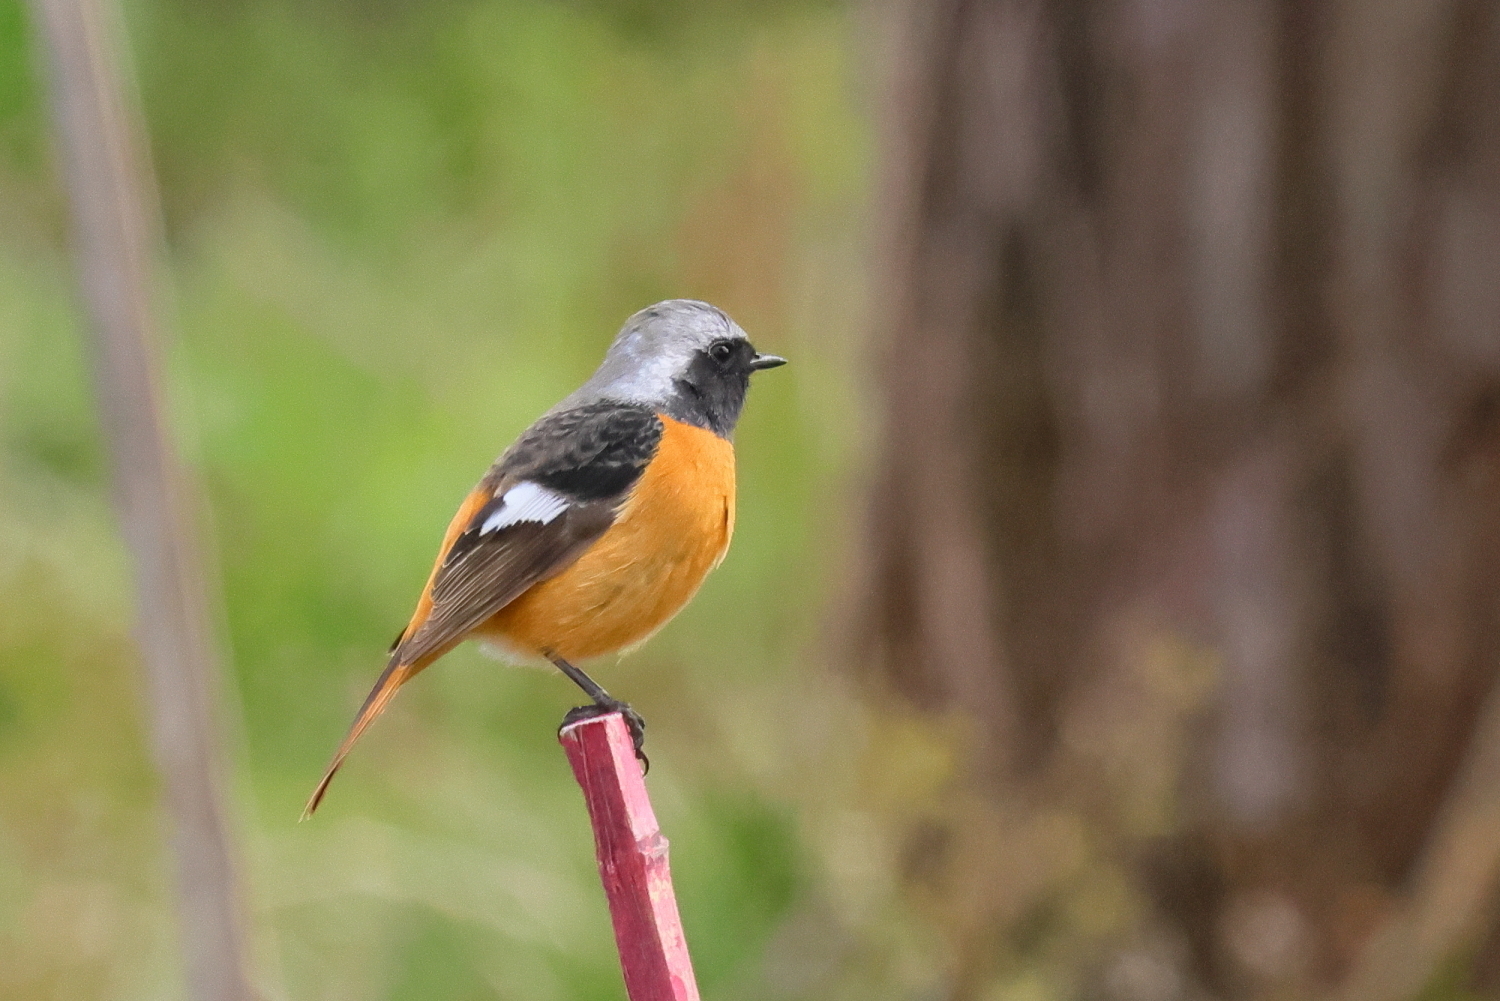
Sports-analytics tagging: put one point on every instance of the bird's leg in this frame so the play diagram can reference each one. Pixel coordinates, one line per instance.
(604, 703)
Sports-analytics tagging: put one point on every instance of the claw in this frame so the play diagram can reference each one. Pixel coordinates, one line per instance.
(633, 722)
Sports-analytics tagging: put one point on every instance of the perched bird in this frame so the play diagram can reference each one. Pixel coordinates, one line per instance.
(600, 522)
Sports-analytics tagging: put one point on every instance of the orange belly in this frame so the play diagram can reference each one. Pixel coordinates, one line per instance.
(672, 531)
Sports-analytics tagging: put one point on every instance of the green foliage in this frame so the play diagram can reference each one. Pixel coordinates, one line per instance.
(18, 93)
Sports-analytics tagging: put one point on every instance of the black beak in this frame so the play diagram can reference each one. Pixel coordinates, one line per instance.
(765, 361)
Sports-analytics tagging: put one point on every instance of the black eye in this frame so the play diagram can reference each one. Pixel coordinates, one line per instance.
(721, 352)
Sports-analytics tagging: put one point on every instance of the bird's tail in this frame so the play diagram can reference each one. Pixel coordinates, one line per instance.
(393, 677)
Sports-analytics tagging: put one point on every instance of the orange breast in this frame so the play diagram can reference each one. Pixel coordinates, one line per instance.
(672, 531)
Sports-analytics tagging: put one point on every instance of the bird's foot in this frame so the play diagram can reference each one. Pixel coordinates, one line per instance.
(633, 722)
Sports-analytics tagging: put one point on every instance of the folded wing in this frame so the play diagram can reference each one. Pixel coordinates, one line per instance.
(547, 499)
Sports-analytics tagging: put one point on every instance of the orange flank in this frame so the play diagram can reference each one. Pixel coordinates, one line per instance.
(672, 531)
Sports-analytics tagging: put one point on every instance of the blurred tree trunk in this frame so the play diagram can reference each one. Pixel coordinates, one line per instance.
(1190, 485)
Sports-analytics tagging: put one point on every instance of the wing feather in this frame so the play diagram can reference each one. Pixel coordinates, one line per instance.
(590, 456)
(494, 568)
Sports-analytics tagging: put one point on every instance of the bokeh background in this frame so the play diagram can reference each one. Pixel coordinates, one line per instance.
(1113, 605)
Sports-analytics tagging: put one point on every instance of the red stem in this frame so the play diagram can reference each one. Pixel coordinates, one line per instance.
(632, 861)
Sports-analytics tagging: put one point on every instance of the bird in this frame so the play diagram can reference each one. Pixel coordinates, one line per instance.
(599, 523)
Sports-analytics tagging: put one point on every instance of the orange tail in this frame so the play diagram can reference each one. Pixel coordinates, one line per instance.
(393, 677)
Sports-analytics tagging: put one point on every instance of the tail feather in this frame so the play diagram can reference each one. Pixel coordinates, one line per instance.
(393, 677)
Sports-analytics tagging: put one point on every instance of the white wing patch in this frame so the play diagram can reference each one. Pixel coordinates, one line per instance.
(526, 501)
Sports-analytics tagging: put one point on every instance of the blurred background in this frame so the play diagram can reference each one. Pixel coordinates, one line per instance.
(1113, 608)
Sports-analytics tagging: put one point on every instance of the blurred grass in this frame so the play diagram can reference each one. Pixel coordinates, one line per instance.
(398, 232)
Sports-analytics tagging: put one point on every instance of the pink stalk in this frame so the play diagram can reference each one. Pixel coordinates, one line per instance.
(632, 857)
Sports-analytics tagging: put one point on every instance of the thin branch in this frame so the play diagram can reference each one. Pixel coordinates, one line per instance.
(1453, 887)
(112, 234)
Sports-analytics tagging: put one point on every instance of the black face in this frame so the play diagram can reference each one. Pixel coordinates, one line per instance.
(712, 390)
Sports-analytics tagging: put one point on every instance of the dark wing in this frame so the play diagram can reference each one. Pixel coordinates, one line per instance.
(493, 570)
(550, 496)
